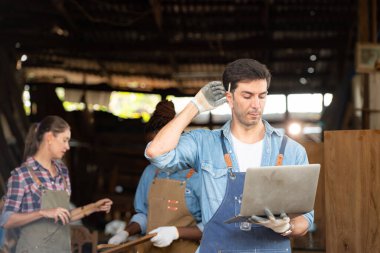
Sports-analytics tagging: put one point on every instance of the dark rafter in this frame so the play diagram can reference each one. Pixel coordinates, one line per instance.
(183, 37)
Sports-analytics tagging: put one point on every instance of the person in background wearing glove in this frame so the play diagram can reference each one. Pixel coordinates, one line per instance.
(37, 199)
(222, 156)
(167, 203)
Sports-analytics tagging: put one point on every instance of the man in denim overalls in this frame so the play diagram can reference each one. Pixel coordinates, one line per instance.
(222, 156)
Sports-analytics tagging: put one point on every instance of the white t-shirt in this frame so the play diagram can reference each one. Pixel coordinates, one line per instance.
(248, 155)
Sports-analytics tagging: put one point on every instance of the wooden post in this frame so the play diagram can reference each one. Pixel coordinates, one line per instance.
(352, 188)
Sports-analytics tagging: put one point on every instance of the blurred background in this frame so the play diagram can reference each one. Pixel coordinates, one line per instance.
(103, 65)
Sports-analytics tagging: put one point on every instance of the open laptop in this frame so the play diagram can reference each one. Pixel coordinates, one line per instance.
(290, 189)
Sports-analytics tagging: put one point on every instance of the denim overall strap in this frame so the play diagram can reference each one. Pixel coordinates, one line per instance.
(239, 237)
(280, 156)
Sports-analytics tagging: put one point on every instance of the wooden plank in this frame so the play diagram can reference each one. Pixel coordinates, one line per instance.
(352, 187)
(374, 101)
(308, 251)
(123, 247)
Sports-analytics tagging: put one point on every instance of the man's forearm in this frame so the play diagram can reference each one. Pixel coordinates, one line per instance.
(168, 137)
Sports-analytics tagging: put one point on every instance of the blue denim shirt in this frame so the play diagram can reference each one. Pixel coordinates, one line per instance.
(201, 149)
(192, 194)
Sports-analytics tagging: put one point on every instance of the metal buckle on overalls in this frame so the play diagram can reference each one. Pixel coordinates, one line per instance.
(245, 226)
(232, 175)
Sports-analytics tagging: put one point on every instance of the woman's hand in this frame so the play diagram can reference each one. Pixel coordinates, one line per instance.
(103, 205)
(57, 214)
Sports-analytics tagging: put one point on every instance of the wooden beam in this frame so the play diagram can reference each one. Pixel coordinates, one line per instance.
(274, 89)
(38, 41)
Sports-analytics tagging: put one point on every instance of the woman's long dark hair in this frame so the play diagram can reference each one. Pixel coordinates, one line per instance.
(36, 133)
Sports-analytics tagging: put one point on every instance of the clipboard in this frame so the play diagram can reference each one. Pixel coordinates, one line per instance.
(114, 248)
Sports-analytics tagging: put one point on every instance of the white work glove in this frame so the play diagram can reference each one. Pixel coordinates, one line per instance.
(210, 96)
(115, 226)
(278, 225)
(165, 236)
(120, 237)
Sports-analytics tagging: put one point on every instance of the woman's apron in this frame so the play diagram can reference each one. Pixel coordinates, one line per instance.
(44, 235)
(167, 207)
(240, 237)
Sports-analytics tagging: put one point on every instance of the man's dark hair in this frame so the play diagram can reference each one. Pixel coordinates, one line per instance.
(244, 70)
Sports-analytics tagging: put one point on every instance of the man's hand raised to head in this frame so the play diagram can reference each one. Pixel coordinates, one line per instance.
(210, 96)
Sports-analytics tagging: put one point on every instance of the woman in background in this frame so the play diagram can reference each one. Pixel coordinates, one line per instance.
(38, 194)
(165, 203)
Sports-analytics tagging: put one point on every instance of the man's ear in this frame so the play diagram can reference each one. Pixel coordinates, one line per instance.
(230, 98)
